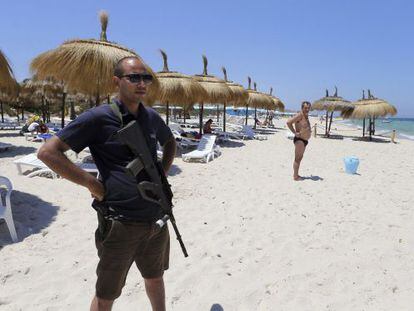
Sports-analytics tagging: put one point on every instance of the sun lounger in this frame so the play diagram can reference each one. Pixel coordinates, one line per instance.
(33, 162)
(206, 150)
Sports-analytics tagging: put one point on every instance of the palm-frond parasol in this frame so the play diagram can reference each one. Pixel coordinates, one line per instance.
(177, 88)
(7, 80)
(239, 97)
(276, 100)
(217, 90)
(8, 84)
(256, 99)
(330, 104)
(86, 66)
(371, 108)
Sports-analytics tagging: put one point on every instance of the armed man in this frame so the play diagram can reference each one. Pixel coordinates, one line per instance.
(129, 225)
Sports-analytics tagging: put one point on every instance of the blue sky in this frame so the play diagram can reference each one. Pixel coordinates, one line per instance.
(298, 47)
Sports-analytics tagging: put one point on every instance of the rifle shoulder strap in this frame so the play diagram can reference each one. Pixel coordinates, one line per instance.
(117, 112)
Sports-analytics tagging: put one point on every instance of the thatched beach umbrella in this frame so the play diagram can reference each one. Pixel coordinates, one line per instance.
(217, 90)
(330, 104)
(276, 101)
(176, 88)
(371, 108)
(256, 99)
(85, 66)
(8, 84)
(7, 80)
(239, 97)
(45, 90)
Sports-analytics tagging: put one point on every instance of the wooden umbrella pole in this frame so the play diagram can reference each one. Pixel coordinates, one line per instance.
(108, 99)
(373, 126)
(363, 127)
(184, 112)
(2, 112)
(247, 113)
(22, 112)
(330, 123)
(370, 128)
(48, 111)
(43, 108)
(97, 99)
(326, 124)
(72, 111)
(224, 117)
(201, 117)
(63, 109)
(167, 114)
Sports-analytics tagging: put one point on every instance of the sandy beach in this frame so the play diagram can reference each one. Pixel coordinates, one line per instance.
(257, 240)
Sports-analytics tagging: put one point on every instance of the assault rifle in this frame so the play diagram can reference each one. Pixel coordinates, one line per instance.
(158, 189)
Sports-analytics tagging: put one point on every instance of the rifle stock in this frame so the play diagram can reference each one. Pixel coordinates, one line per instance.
(161, 194)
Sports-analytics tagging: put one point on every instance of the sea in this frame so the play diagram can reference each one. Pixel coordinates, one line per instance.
(404, 127)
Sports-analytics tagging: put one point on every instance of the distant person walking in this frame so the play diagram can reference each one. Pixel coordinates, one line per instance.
(300, 126)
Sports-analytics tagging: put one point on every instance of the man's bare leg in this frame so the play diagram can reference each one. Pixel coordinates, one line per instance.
(156, 293)
(99, 304)
(299, 150)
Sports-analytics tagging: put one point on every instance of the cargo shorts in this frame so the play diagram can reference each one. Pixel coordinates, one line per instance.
(119, 244)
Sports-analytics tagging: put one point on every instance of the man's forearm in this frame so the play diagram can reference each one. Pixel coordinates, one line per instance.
(60, 164)
(290, 126)
(168, 155)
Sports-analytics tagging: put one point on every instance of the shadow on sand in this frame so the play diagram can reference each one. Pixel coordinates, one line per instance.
(232, 144)
(17, 150)
(9, 134)
(372, 140)
(312, 177)
(174, 170)
(30, 214)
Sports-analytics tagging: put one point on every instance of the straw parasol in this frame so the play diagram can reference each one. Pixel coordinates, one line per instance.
(330, 104)
(7, 80)
(86, 66)
(239, 98)
(371, 108)
(256, 99)
(276, 100)
(8, 84)
(176, 88)
(216, 89)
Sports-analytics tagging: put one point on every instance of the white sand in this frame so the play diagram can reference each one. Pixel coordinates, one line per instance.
(257, 240)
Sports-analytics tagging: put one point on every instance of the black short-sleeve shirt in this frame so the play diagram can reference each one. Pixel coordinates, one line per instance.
(96, 128)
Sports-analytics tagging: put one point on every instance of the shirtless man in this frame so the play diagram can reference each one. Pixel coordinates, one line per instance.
(300, 126)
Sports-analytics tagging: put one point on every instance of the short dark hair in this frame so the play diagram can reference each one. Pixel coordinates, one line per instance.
(119, 67)
(306, 103)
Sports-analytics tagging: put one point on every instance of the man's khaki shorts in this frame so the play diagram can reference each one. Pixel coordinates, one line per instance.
(119, 244)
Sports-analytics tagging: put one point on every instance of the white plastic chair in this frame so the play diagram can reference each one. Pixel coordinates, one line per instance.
(206, 150)
(5, 206)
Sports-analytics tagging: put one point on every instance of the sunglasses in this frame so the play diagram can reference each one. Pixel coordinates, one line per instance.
(138, 77)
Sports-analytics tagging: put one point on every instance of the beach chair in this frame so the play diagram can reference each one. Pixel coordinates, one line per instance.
(6, 189)
(206, 150)
(5, 146)
(33, 162)
(182, 141)
(248, 131)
